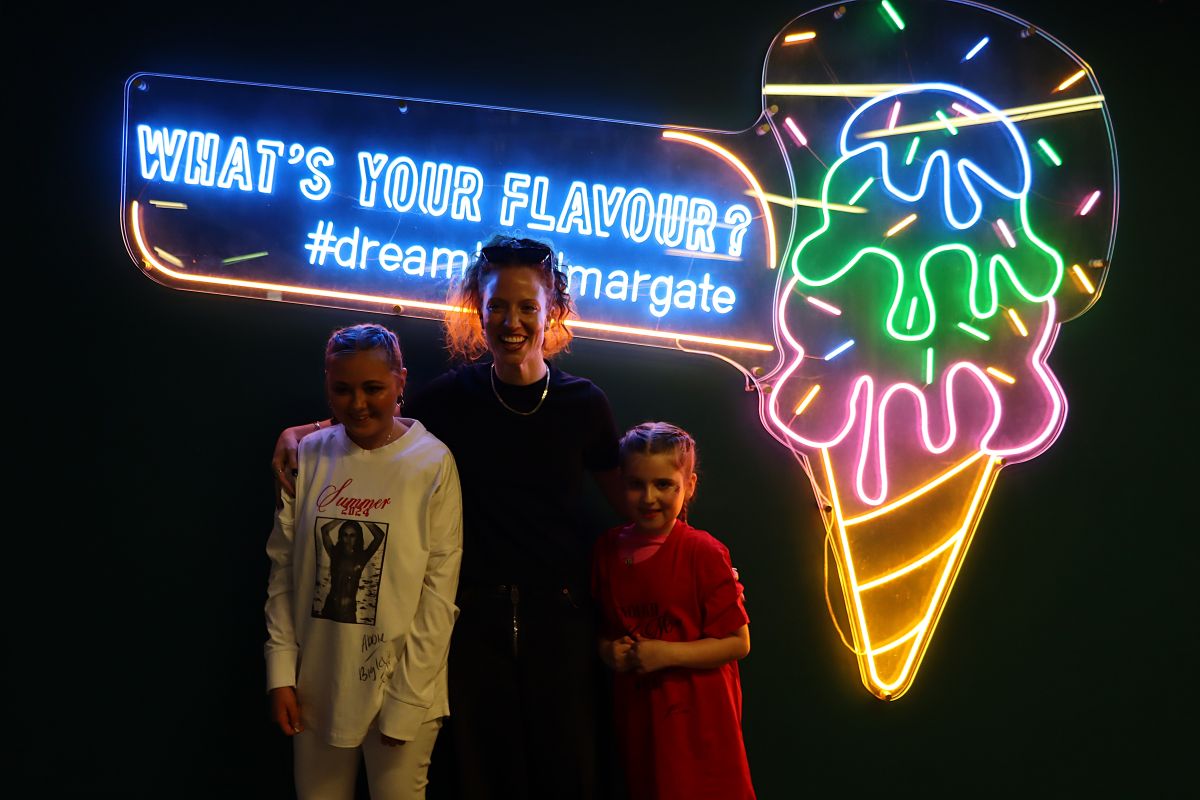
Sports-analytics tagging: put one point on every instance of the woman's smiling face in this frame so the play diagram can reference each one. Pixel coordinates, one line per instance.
(514, 316)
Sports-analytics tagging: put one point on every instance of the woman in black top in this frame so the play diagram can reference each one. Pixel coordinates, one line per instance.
(523, 434)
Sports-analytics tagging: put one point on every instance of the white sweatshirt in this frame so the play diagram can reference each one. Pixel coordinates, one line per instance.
(364, 569)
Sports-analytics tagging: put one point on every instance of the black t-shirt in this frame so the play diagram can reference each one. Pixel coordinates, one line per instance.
(522, 476)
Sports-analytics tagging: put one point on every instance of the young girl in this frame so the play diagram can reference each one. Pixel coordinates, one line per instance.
(673, 628)
(364, 569)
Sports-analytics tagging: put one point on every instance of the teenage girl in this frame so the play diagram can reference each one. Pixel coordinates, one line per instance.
(358, 629)
(672, 630)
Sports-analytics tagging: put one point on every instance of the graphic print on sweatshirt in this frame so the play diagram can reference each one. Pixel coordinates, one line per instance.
(349, 568)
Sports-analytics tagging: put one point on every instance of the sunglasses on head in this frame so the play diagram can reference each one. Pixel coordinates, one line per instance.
(526, 253)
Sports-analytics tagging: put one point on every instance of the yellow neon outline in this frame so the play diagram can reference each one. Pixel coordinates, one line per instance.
(681, 136)
(152, 263)
(1020, 326)
(1084, 283)
(887, 577)
(901, 225)
(1001, 375)
(832, 89)
(1016, 114)
(915, 493)
(853, 590)
(170, 258)
(808, 398)
(1071, 81)
(792, 202)
(794, 38)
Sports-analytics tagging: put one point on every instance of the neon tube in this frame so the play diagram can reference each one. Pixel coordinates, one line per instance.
(978, 334)
(795, 38)
(892, 13)
(1049, 151)
(946, 122)
(821, 304)
(1071, 81)
(808, 398)
(901, 225)
(837, 351)
(1088, 203)
(1016, 114)
(735, 162)
(928, 365)
(247, 257)
(1017, 323)
(912, 150)
(168, 204)
(861, 190)
(793, 202)
(975, 50)
(894, 116)
(795, 131)
(1083, 280)
(1005, 234)
(1004, 376)
(305, 291)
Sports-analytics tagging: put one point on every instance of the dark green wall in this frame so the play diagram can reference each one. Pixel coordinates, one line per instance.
(1066, 653)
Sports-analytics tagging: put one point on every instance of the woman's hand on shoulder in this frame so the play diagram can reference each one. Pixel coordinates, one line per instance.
(285, 710)
(284, 461)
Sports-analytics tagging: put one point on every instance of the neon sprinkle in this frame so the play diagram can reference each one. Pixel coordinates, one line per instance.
(808, 398)
(1071, 81)
(1017, 323)
(1005, 233)
(928, 365)
(912, 150)
(1089, 203)
(1004, 376)
(794, 38)
(941, 115)
(982, 43)
(796, 134)
(168, 257)
(1049, 151)
(894, 115)
(912, 314)
(247, 257)
(1083, 279)
(841, 348)
(901, 225)
(892, 13)
(975, 332)
(168, 204)
(862, 189)
(961, 109)
(821, 304)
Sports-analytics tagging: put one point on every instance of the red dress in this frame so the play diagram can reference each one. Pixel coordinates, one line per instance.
(679, 729)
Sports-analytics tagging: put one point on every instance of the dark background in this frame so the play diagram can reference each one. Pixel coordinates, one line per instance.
(1065, 658)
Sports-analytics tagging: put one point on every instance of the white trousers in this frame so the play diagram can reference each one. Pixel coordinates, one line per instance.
(324, 772)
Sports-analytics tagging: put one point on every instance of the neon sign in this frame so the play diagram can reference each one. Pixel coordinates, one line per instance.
(888, 254)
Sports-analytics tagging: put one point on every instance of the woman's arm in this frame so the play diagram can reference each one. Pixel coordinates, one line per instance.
(650, 655)
(284, 461)
(281, 649)
(410, 692)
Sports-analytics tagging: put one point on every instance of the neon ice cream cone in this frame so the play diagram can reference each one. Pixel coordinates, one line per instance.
(899, 561)
(939, 242)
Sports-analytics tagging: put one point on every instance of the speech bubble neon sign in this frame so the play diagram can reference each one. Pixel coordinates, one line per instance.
(929, 194)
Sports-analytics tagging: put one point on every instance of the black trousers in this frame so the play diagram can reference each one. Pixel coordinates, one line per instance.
(523, 710)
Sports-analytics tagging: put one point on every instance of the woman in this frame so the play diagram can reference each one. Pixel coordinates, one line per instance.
(523, 433)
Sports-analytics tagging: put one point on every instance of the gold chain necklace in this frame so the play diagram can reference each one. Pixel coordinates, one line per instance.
(542, 399)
